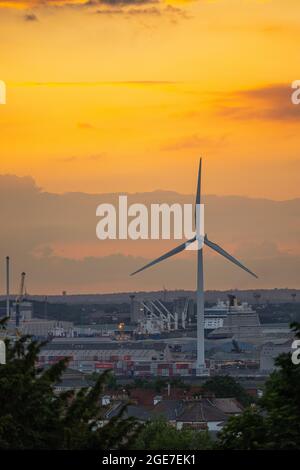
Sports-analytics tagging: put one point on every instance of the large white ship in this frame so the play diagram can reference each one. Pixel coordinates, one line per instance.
(214, 316)
(231, 319)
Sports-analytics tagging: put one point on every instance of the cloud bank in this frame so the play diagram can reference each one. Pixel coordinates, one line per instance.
(52, 237)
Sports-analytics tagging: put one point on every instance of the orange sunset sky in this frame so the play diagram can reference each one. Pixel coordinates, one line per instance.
(106, 96)
(124, 95)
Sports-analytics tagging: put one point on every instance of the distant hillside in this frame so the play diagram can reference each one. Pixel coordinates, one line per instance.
(266, 295)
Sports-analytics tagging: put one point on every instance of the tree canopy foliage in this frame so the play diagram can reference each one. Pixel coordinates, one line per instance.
(33, 416)
(274, 423)
(160, 435)
(227, 387)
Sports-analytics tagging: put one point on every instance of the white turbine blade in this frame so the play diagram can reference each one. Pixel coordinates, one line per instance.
(224, 253)
(176, 250)
(198, 193)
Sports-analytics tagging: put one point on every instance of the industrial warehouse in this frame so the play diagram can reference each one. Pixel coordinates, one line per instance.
(123, 359)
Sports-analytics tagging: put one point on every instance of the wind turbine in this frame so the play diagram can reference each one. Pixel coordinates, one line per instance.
(201, 240)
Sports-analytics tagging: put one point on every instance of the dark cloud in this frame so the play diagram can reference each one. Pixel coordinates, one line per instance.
(74, 4)
(118, 7)
(52, 238)
(15, 184)
(272, 102)
(125, 2)
(89, 158)
(30, 17)
(152, 11)
(266, 250)
(195, 142)
(128, 8)
(85, 126)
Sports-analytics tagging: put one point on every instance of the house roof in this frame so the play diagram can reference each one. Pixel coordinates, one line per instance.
(72, 384)
(69, 373)
(201, 411)
(145, 396)
(189, 411)
(227, 405)
(72, 379)
(139, 412)
(142, 396)
(170, 409)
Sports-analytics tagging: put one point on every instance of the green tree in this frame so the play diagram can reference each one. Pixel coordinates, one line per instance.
(244, 432)
(227, 387)
(160, 435)
(32, 416)
(141, 383)
(274, 423)
(111, 382)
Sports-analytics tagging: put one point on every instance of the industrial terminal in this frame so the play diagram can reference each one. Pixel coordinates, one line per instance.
(153, 337)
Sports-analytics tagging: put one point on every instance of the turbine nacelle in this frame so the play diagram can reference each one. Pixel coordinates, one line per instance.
(196, 243)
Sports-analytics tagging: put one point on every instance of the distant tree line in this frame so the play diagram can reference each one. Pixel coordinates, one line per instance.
(80, 314)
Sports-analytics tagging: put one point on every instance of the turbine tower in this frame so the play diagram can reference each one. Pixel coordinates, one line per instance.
(201, 240)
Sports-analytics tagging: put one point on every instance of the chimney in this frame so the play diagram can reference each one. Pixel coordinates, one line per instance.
(157, 399)
(232, 300)
(7, 288)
